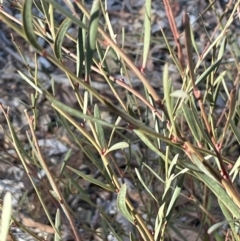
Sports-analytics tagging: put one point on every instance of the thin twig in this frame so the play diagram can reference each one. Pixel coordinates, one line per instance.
(61, 200)
(174, 30)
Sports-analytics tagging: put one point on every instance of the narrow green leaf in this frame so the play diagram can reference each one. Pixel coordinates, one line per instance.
(79, 114)
(149, 143)
(109, 25)
(208, 71)
(114, 129)
(131, 111)
(92, 35)
(39, 6)
(54, 194)
(81, 192)
(220, 78)
(6, 216)
(63, 10)
(220, 193)
(53, 86)
(95, 160)
(117, 146)
(188, 44)
(167, 87)
(119, 238)
(235, 130)
(47, 10)
(194, 123)
(84, 32)
(44, 8)
(159, 221)
(60, 36)
(201, 131)
(144, 185)
(172, 52)
(235, 167)
(216, 226)
(92, 180)
(194, 44)
(28, 24)
(221, 52)
(202, 167)
(121, 203)
(85, 101)
(174, 197)
(132, 238)
(80, 52)
(222, 48)
(99, 128)
(168, 183)
(216, 91)
(191, 122)
(179, 94)
(30, 81)
(67, 156)
(234, 224)
(153, 172)
(93, 26)
(173, 165)
(51, 21)
(147, 31)
(102, 55)
(23, 157)
(57, 225)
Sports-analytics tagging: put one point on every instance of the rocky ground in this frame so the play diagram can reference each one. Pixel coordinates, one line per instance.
(15, 94)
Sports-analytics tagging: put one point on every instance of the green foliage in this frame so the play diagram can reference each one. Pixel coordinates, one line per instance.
(187, 158)
(6, 216)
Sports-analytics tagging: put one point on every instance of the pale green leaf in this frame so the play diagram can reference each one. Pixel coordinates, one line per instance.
(208, 71)
(28, 24)
(92, 180)
(147, 31)
(144, 185)
(149, 143)
(191, 122)
(92, 35)
(179, 94)
(60, 36)
(99, 128)
(57, 225)
(6, 216)
(175, 195)
(167, 88)
(121, 203)
(173, 165)
(220, 193)
(233, 223)
(117, 146)
(80, 52)
(29, 81)
(78, 113)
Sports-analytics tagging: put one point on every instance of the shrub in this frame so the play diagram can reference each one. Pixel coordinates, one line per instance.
(165, 160)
